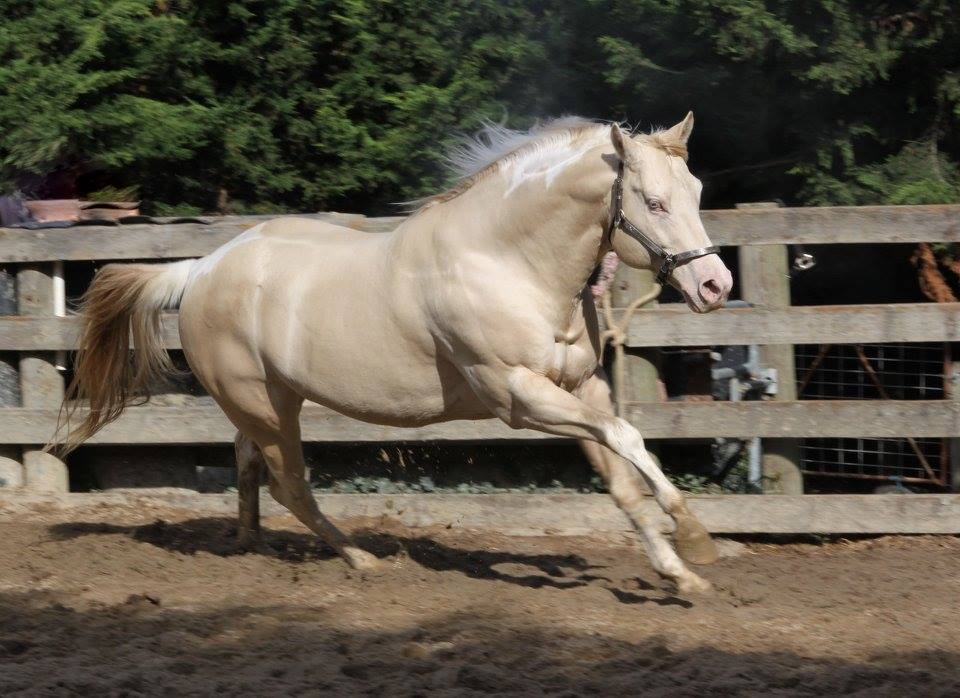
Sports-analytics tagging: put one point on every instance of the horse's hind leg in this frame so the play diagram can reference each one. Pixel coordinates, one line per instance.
(274, 425)
(250, 466)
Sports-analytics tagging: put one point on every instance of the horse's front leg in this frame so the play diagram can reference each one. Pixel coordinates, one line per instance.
(624, 483)
(596, 393)
(525, 399)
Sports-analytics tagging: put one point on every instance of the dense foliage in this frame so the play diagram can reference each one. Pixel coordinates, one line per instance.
(349, 104)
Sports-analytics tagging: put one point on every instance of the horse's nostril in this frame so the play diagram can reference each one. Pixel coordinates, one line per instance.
(710, 291)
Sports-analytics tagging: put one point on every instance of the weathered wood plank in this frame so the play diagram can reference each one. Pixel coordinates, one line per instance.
(667, 325)
(207, 424)
(22, 333)
(546, 514)
(668, 420)
(675, 325)
(812, 513)
(827, 225)
(167, 241)
(834, 224)
(824, 418)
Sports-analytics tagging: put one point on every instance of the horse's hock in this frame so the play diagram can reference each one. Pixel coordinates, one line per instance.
(37, 332)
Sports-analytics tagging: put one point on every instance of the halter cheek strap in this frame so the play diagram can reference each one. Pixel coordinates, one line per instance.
(668, 261)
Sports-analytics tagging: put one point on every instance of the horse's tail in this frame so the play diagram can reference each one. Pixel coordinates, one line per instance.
(124, 300)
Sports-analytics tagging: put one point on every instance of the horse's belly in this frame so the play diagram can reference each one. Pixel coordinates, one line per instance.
(358, 357)
(373, 393)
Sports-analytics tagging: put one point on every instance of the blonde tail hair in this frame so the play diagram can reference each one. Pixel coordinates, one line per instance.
(124, 300)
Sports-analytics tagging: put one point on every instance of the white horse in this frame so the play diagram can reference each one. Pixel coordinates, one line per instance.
(473, 308)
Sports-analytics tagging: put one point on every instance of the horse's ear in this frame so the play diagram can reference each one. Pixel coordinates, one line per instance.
(627, 150)
(680, 133)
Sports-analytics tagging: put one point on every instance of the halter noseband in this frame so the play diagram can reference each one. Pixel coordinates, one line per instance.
(668, 262)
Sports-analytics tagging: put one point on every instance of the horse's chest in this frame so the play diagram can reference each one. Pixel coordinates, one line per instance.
(574, 358)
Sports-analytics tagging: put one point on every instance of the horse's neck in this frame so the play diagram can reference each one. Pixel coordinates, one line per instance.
(552, 230)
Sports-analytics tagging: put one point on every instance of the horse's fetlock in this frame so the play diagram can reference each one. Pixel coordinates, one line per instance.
(675, 505)
(671, 568)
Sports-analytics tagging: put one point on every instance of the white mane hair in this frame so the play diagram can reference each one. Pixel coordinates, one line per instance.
(544, 149)
(495, 143)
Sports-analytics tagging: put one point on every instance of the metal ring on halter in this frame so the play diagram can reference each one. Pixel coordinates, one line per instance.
(669, 262)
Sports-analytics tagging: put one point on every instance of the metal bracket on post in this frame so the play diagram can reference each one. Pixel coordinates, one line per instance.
(746, 379)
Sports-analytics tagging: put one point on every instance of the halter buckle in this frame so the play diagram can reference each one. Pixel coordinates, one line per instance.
(666, 268)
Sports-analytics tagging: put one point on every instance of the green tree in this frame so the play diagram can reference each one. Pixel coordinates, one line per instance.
(261, 105)
(352, 104)
(807, 94)
(74, 100)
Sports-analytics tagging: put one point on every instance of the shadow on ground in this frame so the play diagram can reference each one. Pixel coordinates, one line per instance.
(141, 648)
(217, 536)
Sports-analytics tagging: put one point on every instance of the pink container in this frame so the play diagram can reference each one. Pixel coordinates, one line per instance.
(54, 209)
(109, 211)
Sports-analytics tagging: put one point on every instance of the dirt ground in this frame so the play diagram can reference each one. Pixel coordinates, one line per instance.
(115, 602)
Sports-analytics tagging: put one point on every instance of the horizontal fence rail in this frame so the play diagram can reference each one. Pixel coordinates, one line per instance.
(208, 424)
(809, 226)
(36, 333)
(665, 326)
(666, 420)
(676, 325)
(151, 241)
(833, 224)
(26, 333)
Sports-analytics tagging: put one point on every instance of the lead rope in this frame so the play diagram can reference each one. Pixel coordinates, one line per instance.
(616, 336)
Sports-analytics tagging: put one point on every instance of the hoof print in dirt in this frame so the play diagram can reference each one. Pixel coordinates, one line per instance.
(142, 600)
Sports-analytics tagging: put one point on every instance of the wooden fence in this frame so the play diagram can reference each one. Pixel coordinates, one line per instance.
(761, 233)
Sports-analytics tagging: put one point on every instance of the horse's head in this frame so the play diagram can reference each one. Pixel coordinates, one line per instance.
(656, 224)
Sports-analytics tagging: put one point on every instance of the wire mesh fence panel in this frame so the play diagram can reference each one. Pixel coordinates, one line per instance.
(903, 371)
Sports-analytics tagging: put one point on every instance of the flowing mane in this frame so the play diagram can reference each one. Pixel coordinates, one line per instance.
(496, 148)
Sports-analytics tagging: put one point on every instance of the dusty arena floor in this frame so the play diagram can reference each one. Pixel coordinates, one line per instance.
(158, 602)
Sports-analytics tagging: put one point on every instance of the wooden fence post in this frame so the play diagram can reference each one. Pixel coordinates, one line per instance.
(765, 281)
(640, 373)
(953, 446)
(41, 385)
(11, 470)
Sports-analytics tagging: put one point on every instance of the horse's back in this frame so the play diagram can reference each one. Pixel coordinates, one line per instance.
(312, 231)
(282, 267)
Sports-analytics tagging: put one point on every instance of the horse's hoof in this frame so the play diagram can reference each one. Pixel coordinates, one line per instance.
(694, 543)
(693, 584)
(361, 560)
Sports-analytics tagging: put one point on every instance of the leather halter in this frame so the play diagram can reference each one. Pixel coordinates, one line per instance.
(668, 261)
